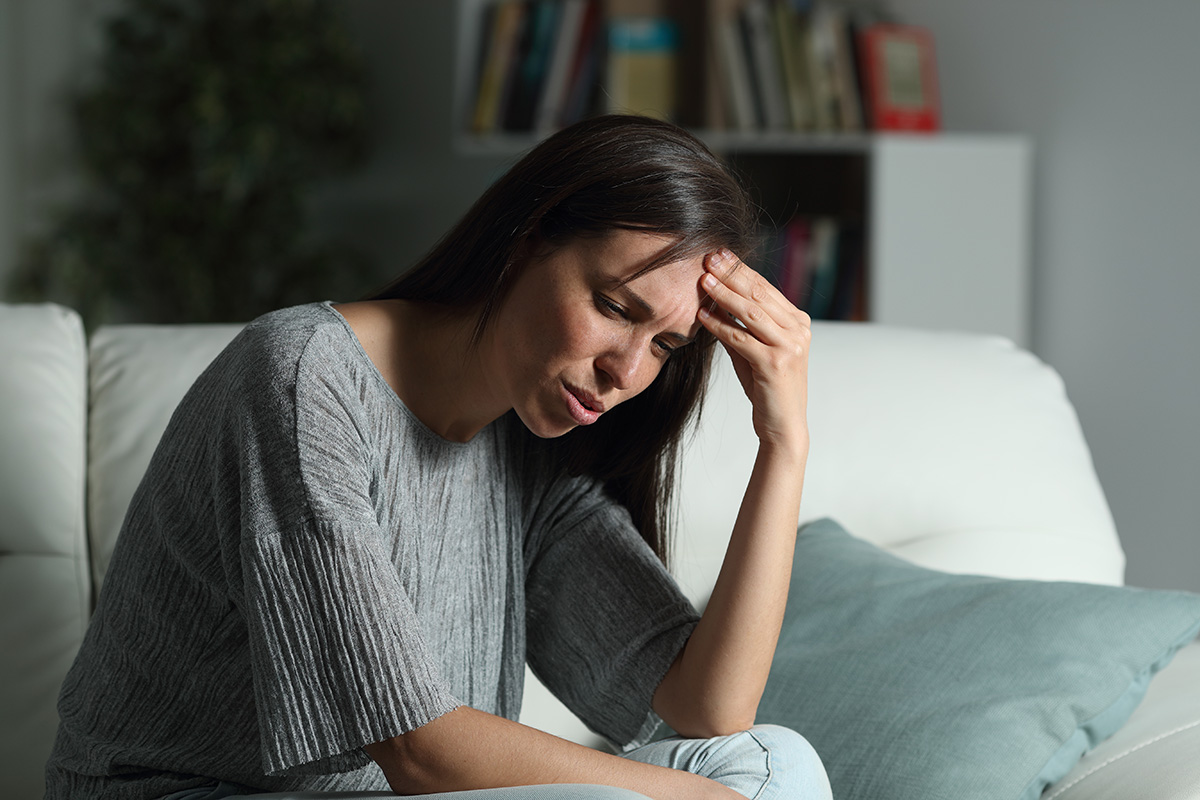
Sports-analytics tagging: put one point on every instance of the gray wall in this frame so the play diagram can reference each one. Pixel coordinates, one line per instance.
(1110, 92)
(1108, 89)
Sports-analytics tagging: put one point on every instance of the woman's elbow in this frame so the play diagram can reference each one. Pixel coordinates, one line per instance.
(711, 724)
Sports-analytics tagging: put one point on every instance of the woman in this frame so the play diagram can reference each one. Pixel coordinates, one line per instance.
(346, 547)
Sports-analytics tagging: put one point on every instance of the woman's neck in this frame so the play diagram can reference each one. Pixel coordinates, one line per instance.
(427, 355)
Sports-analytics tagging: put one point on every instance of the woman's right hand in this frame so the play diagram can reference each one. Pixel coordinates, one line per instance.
(768, 339)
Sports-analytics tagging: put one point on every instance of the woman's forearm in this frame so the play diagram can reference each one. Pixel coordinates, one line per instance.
(470, 749)
(715, 684)
(714, 687)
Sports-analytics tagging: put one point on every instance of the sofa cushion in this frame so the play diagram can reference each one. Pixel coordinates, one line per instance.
(914, 683)
(1154, 753)
(44, 586)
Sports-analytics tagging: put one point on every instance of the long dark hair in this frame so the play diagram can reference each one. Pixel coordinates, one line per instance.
(605, 173)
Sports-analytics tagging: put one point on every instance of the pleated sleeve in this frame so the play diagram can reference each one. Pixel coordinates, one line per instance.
(337, 652)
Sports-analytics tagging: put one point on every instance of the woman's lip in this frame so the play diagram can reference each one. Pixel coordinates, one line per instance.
(575, 406)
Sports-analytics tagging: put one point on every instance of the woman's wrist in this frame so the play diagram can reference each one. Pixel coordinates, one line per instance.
(786, 448)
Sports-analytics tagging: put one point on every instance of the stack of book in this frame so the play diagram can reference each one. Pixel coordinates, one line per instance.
(791, 65)
(818, 264)
(542, 63)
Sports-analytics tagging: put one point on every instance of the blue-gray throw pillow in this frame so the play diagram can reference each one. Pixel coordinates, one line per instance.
(915, 684)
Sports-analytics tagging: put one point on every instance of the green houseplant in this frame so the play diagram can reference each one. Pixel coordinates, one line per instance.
(200, 139)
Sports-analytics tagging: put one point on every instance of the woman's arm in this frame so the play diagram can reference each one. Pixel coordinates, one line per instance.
(715, 684)
(470, 749)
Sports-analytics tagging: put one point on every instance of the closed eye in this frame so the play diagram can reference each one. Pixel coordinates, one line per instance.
(617, 311)
(611, 308)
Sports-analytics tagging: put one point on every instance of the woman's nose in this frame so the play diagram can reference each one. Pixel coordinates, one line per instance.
(622, 366)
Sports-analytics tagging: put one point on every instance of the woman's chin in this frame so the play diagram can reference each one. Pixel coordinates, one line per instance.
(545, 428)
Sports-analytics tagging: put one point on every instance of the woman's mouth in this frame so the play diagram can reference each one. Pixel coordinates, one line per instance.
(583, 408)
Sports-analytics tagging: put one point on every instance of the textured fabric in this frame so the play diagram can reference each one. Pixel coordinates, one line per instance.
(306, 569)
(1154, 753)
(917, 684)
(767, 762)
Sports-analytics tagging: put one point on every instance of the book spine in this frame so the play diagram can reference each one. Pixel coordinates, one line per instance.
(765, 58)
(795, 77)
(739, 90)
(824, 267)
(641, 71)
(558, 71)
(531, 64)
(503, 30)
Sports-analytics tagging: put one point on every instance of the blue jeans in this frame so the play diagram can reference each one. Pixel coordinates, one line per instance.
(767, 762)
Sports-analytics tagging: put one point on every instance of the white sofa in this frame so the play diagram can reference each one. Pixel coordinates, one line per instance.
(921, 443)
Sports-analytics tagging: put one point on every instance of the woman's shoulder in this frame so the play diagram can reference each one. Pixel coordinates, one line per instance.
(278, 340)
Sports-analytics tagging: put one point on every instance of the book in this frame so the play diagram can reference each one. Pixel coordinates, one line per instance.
(849, 293)
(736, 86)
(585, 67)
(502, 27)
(642, 62)
(531, 63)
(762, 50)
(794, 274)
(849, 104)
(901, 78)
(558, 70)
(790, 30)
(824, 267)
(822, 69)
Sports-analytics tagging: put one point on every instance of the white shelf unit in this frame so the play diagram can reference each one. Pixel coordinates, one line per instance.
(946, 217)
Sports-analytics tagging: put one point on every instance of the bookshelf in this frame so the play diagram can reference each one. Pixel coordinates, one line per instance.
(936, 227)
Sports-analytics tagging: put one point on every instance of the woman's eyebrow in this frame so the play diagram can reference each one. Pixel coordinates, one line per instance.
(640, 302)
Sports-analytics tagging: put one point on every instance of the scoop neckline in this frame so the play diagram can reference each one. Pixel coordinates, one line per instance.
(387, 387)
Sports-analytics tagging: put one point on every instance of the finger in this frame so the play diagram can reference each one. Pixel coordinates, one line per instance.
(748, 313)
(731, 333)
(749, 283)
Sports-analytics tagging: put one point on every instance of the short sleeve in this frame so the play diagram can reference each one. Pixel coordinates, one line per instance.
(337, 653)
(605, 619)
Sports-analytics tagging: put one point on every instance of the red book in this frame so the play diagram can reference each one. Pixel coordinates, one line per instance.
(794, 271)
(900, 74)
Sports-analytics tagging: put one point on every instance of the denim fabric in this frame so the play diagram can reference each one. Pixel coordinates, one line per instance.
(767, 762)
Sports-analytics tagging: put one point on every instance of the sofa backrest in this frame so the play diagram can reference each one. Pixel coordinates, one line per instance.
(959, 452)
(45, 590)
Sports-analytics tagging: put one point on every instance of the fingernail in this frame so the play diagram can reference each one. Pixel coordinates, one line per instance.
(718, 259)
(709, 281)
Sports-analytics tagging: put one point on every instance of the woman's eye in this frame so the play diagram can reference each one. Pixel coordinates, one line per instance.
(663, 348)
(609, 307)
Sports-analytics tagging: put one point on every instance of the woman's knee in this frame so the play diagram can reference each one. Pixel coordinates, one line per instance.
(795, 768)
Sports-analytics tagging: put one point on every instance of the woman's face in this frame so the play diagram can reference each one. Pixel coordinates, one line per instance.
(571, 340)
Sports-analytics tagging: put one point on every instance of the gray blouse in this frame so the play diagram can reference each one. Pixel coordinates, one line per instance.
(306, 569)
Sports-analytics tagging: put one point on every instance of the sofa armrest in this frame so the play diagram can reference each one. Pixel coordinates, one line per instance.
(1155, 754)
